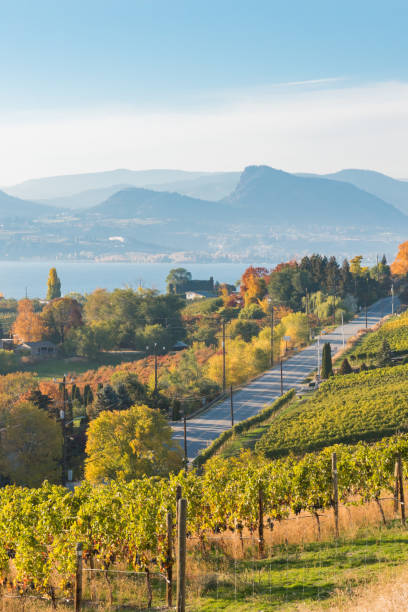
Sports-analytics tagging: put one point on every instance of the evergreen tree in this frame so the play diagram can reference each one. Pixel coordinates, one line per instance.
(385, 354)
(106, 399)
(53, 285)
(41, 400)
(327, 366)
(124, 401)
(88, 395)
(345, 367)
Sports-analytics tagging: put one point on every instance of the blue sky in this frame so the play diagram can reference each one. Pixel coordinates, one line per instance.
(81, 67)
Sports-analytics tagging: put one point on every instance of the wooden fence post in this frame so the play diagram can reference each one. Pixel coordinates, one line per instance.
(169, 561)
(261, 541)
(335, 494)
(401, 490)
(181, 555)
(396, 488)
(78, 579)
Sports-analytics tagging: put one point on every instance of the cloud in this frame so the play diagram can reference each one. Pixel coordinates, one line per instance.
(300, 129)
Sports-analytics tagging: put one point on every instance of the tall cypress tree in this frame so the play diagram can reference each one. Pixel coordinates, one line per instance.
(53, 285)
(327, 366)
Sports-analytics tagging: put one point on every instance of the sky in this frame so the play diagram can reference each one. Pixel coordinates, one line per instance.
(88, 85)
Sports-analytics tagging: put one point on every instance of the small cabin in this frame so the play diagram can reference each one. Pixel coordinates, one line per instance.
(41, 350)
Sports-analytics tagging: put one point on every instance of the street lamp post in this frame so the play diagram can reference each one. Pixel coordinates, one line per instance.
(156, 385)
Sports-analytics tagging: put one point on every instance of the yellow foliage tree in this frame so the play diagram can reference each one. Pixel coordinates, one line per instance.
(399, 266)
(296, 325)
(29, 326)
(130, 444)
(31, 446)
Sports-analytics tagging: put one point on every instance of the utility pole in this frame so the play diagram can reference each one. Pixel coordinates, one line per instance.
(366, 322)
(185, 439)
(342, 328)
(281, 376)
(392, 298)
(63, 414)
(318, 358)
(231, 407)
(224, 382)
(155, 368)
(272, 339)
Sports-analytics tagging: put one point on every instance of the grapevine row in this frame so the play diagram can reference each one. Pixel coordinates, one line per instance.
(126, 522)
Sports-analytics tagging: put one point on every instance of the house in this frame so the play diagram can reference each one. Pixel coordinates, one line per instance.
(6, 344)
(202, 288)
(199, 295)
(43, 349)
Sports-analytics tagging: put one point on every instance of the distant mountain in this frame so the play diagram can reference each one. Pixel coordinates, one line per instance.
(84, 199)
(284, 198)
(15, 208)
(141, 203)
(388, 189)
(71, 184)
(208, 187)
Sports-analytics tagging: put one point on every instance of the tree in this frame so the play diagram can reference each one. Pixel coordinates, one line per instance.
(8, 361)
(130, 444)
(136, 390)
(41, 400)
(385, 354)
(53, 285)
(28, 326)
(124, 401)
(106, 399)
(31, 448)
(253, 284)
(345, 367)
(177, 276)
(327, 366)
(399, 266)
(61, 315)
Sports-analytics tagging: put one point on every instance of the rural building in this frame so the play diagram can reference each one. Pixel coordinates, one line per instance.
(43, 349)
(198, 288)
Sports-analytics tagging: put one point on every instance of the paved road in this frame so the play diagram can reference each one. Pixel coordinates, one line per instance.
(265, 389)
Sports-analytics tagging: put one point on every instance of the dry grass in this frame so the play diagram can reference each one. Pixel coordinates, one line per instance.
(388, 594)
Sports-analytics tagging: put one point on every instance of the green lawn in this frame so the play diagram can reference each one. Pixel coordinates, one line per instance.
(309, 575)
(50, 368)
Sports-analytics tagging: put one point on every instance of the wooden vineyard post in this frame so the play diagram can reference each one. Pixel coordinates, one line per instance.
(169, 561)
(261, 541)
(396, 488)
(401, 490)
(335, 494)
(181, 555)
(178, 496)
(78, 579)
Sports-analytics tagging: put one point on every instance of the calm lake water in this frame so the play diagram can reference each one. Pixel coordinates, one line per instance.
(18, 276)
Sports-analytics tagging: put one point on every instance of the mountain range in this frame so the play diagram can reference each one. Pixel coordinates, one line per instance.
(262, 212)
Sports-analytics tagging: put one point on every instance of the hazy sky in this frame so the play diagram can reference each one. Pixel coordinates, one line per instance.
(202, 84)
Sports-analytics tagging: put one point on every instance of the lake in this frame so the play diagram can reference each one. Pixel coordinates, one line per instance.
(19, 277)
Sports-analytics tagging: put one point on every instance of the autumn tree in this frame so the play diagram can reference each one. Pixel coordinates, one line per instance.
(61, 315)
(53, 285)
(31, 448)
(253, 284)
(399, 266)
(29, 326)
(130, 444)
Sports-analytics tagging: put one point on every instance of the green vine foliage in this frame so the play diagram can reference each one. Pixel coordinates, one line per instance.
(126, 521)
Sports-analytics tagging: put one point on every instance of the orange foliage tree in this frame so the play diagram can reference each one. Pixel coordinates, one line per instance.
(253, 284)
(399, 266)
(29, 326)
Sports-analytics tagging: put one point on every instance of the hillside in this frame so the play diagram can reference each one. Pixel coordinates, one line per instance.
(84, 199)
(389, 189)
(15, 208)
(70, 184)
(208, 187)
(283, 198)
(365, 406)
(147, 204)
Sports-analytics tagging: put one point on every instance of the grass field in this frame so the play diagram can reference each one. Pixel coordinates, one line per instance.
(51, 368)
(365, 406)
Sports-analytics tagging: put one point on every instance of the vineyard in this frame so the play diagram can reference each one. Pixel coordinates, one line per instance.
(395, 331)
(127, 523)
(364, 406)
